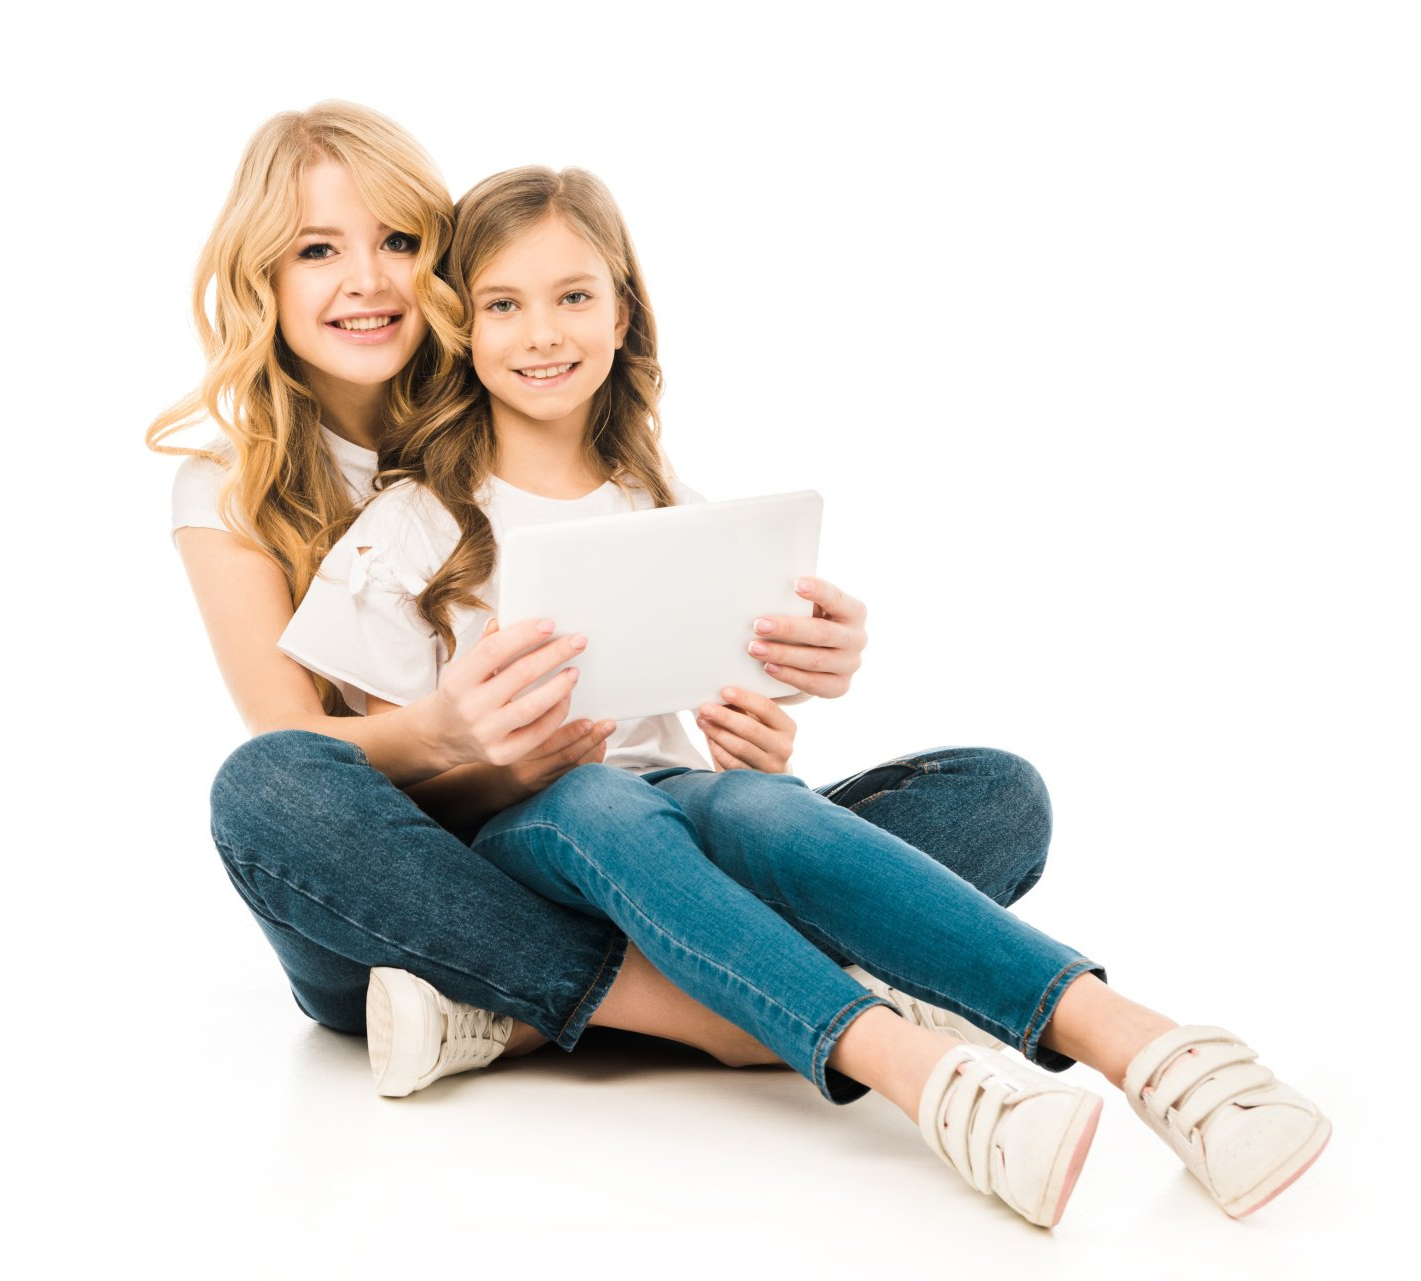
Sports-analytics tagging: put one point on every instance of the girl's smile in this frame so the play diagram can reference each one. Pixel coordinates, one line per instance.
(547, 325)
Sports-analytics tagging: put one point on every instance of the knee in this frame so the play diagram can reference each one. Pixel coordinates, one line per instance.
(1022, 807)
(272, 780)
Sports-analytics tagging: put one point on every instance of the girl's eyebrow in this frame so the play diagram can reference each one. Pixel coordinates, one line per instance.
(320, 231)
(580, 278)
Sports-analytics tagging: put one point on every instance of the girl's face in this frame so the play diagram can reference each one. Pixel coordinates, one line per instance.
(345, 288)
(547, 325)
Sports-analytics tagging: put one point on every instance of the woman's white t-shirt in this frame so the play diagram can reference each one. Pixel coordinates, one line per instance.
(358, 625)
(197, 489)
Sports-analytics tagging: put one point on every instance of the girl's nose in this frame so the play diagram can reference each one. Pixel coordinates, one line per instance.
(542, 329)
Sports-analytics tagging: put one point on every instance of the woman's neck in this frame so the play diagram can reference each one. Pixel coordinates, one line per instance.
(546, 459)
(353, 412)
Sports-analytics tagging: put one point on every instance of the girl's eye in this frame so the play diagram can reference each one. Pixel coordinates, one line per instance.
(501, 306)
(316, 252)
(402, 243)
(576, 296)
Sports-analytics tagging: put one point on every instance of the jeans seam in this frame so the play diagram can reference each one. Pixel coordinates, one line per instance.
(824, 1047)
(251, 862)
(591, 987)
(657, 929)
(1060, 980)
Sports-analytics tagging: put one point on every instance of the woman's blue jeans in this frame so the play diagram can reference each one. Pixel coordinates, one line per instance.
(746, 889)
(344, 872)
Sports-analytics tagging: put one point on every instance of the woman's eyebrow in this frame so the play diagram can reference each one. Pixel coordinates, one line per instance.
(320, 231)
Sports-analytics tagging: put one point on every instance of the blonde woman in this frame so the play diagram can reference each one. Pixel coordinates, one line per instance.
(346, 835)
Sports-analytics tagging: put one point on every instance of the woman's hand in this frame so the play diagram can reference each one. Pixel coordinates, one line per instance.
(818, 655)
(581, 743)
(474, 716)
(749, 731)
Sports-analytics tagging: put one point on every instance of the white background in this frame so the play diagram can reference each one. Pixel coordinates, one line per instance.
(1096, 326)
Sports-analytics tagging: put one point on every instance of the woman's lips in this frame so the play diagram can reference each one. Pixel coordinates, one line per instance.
(367, 337)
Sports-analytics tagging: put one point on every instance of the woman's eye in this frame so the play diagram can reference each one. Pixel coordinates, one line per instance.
(402, 243)
(314, 253)
(576, 296)
(501, 306)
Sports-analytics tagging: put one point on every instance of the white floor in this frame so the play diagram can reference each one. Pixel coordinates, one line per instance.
(193, 1123)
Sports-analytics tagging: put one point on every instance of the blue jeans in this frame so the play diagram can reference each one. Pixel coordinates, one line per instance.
(736, 885)
(344, 872)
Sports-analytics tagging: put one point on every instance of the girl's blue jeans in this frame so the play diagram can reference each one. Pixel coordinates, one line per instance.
(746, 890)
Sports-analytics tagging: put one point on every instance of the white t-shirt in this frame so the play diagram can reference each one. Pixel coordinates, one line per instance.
(197, 488)
(359, 626)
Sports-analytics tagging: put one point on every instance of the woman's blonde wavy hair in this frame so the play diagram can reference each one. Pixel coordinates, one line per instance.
(449, 445)
(284, 488)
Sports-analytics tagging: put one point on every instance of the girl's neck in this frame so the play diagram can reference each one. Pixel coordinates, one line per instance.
(547, 459)
(352, 412)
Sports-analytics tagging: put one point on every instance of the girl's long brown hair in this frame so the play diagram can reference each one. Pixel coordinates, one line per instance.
(449, 446)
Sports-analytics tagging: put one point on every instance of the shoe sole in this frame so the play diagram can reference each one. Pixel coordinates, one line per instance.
(390, 1002)
(1075, 1145)
(1284, 1176)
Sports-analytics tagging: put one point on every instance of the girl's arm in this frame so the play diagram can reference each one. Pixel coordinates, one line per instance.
(245, 607)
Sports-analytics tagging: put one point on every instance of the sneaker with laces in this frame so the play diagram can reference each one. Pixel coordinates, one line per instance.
(1243, 1134)
(1009, 1130)
(417, 1034)
(932, 1017)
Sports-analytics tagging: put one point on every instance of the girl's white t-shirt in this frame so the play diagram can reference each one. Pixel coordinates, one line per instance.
(359, 625)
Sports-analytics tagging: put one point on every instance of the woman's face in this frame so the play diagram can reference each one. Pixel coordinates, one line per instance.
(345, 288)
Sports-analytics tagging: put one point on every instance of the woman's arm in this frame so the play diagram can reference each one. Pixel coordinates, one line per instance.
(469, 720)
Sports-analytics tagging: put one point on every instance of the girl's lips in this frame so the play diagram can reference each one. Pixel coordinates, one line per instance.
(366, 337)
(556, 381)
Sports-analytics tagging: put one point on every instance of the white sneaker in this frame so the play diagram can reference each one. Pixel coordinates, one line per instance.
(1009, 1130)
(932, 1017)
(1244, 1135)
(416, 1034)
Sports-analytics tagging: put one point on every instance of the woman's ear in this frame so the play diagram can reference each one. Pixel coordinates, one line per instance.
(624, 319)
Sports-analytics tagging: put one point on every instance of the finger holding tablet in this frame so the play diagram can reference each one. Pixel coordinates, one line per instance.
(820, 654)
(747, 731)
(476, 714)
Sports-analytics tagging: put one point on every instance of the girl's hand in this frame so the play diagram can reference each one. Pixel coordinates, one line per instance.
(749, 732)
(473, 716)
(818, 655)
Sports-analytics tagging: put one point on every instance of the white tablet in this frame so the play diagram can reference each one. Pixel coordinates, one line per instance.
(667, 598)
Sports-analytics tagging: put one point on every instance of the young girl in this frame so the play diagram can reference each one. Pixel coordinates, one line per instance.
(327, 322)
(743, 887)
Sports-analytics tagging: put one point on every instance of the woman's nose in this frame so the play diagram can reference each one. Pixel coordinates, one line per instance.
(365, 275)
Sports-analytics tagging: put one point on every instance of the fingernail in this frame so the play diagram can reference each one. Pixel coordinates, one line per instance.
(772, 668)
(579, 641)
(764, 626)
(758, 649)
(730, 693)
(572, 675)
(546, 625)
(606, 727)
(804, 584)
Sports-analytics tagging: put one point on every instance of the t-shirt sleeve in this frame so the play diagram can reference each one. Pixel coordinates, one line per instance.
(684, 494)
(197, 493)
(359, 625)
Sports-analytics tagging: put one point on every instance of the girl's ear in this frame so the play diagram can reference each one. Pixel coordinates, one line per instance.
(624, 319)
